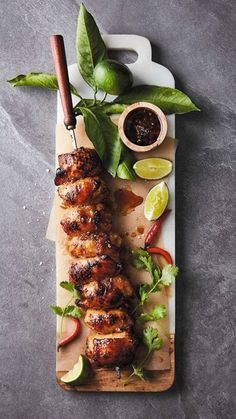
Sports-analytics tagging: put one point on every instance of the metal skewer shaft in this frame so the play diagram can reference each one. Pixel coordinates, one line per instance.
(60, 64)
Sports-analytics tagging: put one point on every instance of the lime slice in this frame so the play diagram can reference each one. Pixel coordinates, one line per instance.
(154, 168)
(156, 201)
(79, 372)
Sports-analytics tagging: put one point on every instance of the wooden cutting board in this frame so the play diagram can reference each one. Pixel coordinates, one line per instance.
(161, 365)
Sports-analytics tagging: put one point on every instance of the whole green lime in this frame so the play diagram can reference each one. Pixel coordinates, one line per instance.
(112, 77)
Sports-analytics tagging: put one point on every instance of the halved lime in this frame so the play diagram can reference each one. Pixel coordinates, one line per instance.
(79, 372)
(156, 201)
(153, 168)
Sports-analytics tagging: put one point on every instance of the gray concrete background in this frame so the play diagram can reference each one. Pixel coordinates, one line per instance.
(196, 40)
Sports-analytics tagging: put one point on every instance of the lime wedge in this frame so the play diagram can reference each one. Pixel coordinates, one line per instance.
(154, 168)
(156, 201)
(79, 372)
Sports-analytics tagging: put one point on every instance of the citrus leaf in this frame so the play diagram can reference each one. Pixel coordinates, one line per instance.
(169, 100)
(112, 108)
(105, 137)
(94, 131)
(112, 142)
(45, 80)
(125, 168)
(90, 47)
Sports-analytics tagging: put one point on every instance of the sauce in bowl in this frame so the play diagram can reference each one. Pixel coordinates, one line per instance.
(142, 126)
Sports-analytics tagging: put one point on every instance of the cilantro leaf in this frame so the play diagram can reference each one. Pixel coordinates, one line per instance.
(56, 310)
(139, 372)
(145, 290)
(151, 339)
(73, 311)
(70, 287)
(143, 293)
(158, 312)
(143, 260)
(138, 255)
(68, 311)
(169, 272)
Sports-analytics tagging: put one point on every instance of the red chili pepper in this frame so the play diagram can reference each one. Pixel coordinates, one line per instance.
(73, 335)
(155, 228)
(159, 251)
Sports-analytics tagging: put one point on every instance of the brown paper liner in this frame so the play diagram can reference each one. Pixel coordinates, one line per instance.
(126, 225)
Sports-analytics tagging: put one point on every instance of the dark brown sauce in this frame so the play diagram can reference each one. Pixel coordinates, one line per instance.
(126, 200)
(142, 126)
(140, 229)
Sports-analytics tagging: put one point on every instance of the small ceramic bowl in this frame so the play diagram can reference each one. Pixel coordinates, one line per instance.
(163, 127)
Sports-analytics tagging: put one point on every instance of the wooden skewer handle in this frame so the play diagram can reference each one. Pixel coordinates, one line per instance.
(60, 64)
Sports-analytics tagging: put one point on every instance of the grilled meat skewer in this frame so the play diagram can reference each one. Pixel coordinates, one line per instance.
(81, 163)
(111, 349)
(87, 218)
(90, 190)
(86, 270)
(106, 293)
(87, 221)
(114, 320)
(89, 245)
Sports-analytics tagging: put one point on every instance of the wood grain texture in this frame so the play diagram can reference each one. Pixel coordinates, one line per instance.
(60, 64)
(105, 379)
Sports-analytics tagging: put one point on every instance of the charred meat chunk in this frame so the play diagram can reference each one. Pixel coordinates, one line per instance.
(78, 164)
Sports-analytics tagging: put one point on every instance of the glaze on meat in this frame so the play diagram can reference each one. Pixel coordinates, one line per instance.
(79, 164)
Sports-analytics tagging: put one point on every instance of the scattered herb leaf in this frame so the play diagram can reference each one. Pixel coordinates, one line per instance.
(72, 311)
(158, 312)
(70, 287)
(56, 310)
(143, 260)
(68, 311)
(168, 274)
(151, 339)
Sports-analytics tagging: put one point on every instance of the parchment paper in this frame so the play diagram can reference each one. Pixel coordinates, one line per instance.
(127, 227)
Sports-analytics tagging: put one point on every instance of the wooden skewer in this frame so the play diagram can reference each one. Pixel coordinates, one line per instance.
(60, 64)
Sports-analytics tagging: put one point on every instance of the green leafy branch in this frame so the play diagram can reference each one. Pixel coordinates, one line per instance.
(90, 50)
(153, 343)
(141, 259)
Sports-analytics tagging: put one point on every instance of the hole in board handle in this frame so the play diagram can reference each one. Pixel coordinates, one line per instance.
(126, 57)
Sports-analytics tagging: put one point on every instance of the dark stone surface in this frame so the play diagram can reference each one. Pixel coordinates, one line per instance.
(196, 40)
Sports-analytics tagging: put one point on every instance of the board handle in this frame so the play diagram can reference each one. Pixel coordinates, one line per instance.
(136, 43)
(60, 64)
